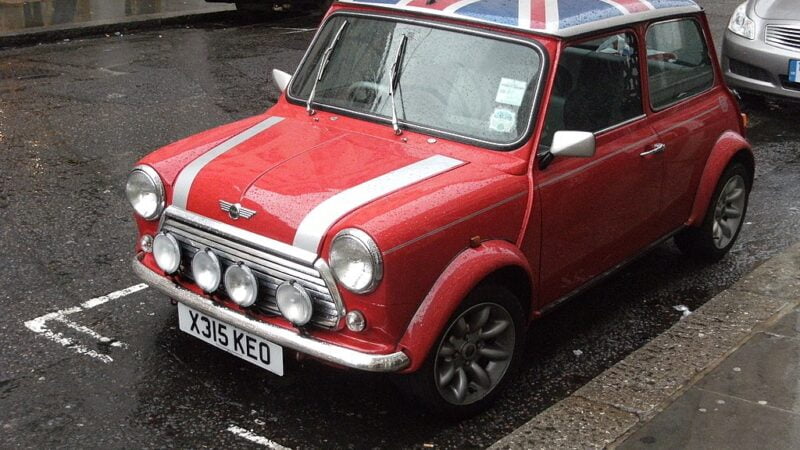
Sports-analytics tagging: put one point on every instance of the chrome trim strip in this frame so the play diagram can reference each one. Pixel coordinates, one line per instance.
(319, 220)
(305, 344)
(454, 223)
(327, 276)
(238, 234)
(183, 184)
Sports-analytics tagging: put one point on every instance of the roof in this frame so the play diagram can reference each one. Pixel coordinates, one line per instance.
(556, 17)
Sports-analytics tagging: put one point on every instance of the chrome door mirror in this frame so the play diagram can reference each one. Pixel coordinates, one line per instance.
(281, 79)
(573, 143)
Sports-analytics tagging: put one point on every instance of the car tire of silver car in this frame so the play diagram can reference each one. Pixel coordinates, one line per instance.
(474, 358)
(724, 217)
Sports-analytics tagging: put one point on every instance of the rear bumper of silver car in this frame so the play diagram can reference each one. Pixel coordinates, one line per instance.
(756, 67)
(323, 351)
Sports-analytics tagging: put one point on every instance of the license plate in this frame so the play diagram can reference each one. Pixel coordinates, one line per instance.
(794, 70)
(250, 348)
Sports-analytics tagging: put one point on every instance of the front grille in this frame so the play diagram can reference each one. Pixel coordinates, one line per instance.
(270, 267)
(748, 70)
(783, 36)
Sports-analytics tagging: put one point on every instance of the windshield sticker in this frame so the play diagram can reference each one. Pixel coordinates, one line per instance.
(511, 91)
(503, 121)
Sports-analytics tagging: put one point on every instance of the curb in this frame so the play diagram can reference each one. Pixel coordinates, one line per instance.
(616, 403)
(99, 27)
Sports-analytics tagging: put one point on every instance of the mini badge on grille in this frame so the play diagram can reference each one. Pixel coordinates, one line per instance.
(236, 210)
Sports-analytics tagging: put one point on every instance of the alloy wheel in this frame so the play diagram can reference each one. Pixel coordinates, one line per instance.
(475, 353)
(729, 211)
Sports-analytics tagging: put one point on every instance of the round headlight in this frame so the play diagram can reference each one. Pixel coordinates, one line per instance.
(356, 261)
(206, 270)
(241, 285)
(294, 302)
(167, 252)
(145, 192)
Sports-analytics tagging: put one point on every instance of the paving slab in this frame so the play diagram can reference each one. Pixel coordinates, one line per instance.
(766, 369)
(788, 326)
(707, 420)
(743, 344)
(572, 423)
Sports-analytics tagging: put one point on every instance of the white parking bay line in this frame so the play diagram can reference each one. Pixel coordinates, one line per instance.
(39, 324)
(252, 437)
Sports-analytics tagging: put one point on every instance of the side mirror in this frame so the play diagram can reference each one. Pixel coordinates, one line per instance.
(281, 79)
(573, 143)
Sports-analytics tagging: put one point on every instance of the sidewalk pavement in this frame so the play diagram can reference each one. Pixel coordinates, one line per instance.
(751, 400)
(726, 376)
(30, 21)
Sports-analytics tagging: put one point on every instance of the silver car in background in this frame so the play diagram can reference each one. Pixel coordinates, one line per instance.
(761, 49)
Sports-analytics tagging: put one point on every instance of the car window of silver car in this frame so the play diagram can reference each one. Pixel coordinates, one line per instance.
(466, 84)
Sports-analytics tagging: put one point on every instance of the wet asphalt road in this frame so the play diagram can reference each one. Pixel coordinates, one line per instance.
(75, 116)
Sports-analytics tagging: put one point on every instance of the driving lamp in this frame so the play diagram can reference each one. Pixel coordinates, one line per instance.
(741, 24)
(166, 252)
(294, 303)
(145, 192)
(356, 261)
(241, 285)
(206, 270)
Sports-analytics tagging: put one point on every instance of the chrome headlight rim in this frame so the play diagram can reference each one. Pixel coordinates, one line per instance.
(173, 245)
(304, 297)
(215, 265)
(374, 253)
(249, 278)
(154, 178)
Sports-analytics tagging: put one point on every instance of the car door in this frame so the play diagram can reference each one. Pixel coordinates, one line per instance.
(596, 212)
(679, 75)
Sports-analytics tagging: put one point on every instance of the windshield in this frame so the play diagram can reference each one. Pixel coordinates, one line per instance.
(472, 86)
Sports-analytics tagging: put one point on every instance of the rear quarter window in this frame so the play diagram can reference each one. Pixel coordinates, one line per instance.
(678, 63)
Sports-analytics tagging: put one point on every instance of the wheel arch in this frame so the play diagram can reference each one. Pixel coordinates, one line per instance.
(730, 147)
(492, 262)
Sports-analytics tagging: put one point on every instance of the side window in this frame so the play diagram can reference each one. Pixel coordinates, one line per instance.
(597, 86)
(678, 64)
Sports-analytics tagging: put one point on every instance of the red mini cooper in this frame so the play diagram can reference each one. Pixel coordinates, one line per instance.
(437, 175)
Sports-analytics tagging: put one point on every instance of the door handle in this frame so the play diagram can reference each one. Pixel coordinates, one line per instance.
(658, 148)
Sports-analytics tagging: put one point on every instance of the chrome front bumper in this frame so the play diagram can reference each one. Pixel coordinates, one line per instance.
(324, 351)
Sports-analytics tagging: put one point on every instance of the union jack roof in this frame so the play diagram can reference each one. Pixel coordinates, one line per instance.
(556, 17)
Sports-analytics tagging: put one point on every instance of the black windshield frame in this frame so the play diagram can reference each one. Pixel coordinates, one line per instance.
(506, 146)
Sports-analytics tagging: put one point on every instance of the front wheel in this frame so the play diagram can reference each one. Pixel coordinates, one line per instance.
(474, 358)
(723, 220)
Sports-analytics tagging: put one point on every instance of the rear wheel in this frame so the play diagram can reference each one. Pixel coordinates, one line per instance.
(474, 358)
(723, 220)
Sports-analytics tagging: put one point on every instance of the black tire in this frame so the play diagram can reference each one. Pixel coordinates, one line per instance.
(699, 242)
(422, 385)
(750, 101)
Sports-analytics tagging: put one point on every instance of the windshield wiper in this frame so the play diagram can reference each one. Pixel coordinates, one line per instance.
(394, 79)
(326, 58)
